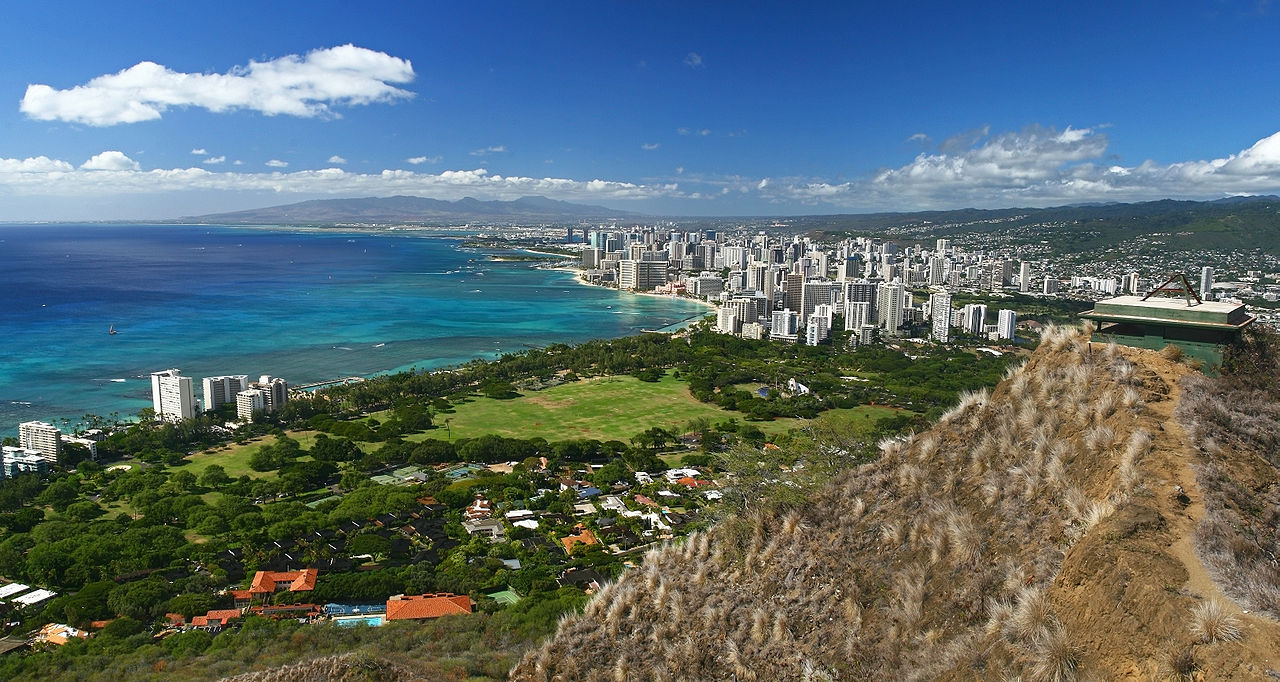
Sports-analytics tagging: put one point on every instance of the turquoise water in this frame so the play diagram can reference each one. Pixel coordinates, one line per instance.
(303, 305)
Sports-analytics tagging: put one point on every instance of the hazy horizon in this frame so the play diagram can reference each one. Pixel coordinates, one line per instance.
(663, 110)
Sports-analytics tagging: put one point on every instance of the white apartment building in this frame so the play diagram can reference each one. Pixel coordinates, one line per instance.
(1005, 327)
(248, 402)
(219, 391)
(41, 437)
(940, 315)
(172, 395)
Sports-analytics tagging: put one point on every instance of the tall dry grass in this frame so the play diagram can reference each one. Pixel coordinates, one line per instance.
(935, 557)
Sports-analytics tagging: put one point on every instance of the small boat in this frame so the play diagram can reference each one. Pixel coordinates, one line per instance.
(112, 330)
(380, 345)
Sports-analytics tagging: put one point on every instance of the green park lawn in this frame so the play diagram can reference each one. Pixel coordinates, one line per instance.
(602, 408)
(234, 458)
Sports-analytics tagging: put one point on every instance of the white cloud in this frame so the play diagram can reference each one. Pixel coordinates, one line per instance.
(704, 132)
(337, 159)
(418, 160)
(683, 131)
(44, 177)
(237, 162)
(497, 149)
(918, 137)
(110, 161)
(214, 160)
(305, 86)
(693, 60)
(1037, 166)
(650, 146)
(39, 164)
(199, 151)
(277, 163)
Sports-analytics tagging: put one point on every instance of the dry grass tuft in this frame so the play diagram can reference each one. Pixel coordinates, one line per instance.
(1053, 657)
(1032, 616)
(1179, 663)
(1212, 622)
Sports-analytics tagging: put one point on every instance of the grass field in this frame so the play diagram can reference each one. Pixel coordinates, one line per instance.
(235, 458)
(603, 408)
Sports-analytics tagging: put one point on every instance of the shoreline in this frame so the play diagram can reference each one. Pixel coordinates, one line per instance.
(576, 272)
(16, 411)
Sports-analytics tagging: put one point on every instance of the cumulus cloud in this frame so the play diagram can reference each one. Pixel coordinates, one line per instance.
(199, 151)
(337, 159)
(306, 86)
(214, 160)
(110, 161)
(497, 149)
(693, 60)
(419, 160)
(38, 164)
(42, 176)
(277, 163)
(650, 146)
(1037, 166)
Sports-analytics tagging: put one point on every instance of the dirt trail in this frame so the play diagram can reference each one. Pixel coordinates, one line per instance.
(1130, 586)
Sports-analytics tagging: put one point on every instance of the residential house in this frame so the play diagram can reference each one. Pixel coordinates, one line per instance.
(267, 583)
(59, 634)
(583, 536)
(427, 606)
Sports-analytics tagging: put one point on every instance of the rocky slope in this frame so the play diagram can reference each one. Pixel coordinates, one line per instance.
(1047, 531)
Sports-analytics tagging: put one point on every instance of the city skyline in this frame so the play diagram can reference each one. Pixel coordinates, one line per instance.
(134, 111)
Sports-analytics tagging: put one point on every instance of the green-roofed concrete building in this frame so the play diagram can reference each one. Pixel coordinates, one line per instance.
(1200, 329)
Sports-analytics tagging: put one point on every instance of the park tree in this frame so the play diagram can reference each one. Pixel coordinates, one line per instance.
(141, 601)
(214, 476)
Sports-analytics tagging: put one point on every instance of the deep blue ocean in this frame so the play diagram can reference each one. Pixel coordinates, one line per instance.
(306, 305)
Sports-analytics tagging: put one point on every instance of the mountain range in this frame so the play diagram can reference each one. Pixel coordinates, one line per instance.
(402, 209)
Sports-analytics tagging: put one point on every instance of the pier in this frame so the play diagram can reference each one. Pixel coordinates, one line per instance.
(324, 384)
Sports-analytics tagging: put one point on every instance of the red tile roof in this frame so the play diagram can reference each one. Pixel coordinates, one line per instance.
(586, 537)
(425, 606)
(220, 616)
(264, 582)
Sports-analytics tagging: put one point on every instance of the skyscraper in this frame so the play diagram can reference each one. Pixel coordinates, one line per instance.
(1006, 324)
(856, 315)
(172, 395)
(1024, 277)
(974, 317)
(219, 391)
(42, 437)
(275, 392)
(1206, 282)
(889, 307)
(793, 285)
(816, 292)
(940, 314)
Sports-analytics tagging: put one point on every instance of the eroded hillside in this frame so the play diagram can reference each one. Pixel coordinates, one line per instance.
(1043, 532)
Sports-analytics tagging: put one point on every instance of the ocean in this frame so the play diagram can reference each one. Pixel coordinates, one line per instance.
(305, 305)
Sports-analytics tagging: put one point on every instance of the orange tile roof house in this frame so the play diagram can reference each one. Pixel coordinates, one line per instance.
(215, 618)
(270, 582)
(585, 536)
(425, 606)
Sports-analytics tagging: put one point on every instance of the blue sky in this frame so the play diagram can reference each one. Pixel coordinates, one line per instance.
(146, 110)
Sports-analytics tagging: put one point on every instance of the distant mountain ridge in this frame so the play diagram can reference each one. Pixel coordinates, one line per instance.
(414, 210)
